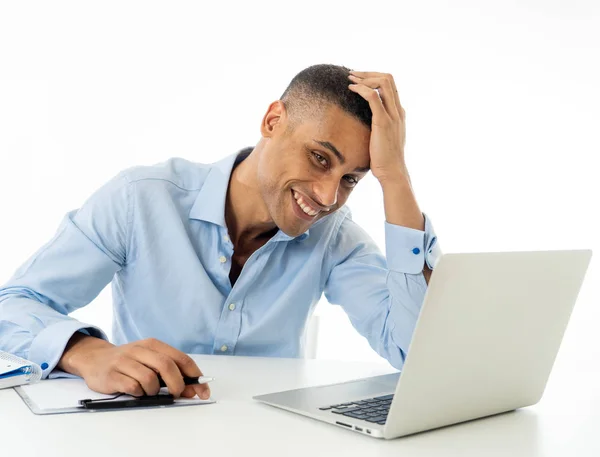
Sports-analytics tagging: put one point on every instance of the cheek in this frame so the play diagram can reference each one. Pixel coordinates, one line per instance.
(343, 195)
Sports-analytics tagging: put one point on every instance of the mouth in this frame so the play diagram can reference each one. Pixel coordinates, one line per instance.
(302, 208)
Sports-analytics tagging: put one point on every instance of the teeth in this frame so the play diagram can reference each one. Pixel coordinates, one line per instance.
(305, 207)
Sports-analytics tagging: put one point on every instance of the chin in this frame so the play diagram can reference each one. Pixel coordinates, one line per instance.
(290, 228)
(292, 231)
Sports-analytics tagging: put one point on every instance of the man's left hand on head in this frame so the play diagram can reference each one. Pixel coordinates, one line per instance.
(388, 131)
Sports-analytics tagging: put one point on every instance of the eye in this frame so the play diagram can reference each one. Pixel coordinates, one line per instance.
(319, 158)
(351, 180)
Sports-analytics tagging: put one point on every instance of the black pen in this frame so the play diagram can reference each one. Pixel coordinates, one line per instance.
(188, 380)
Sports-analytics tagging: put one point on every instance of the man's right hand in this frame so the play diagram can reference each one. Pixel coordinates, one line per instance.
(131, 368)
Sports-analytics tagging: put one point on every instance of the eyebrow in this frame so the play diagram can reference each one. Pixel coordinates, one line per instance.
(339, 155)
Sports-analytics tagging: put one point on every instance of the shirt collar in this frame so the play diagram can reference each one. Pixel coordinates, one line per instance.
(210, 201)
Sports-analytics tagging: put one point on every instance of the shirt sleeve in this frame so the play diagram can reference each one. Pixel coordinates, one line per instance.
(382, 295)
(65, 274)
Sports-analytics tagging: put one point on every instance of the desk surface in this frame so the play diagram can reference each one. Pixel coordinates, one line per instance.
(565, 423)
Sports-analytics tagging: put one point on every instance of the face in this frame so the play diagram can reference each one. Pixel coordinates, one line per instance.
(308, 174)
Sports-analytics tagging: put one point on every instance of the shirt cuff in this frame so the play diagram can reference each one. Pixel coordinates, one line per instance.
(408, 249)
(48, 346)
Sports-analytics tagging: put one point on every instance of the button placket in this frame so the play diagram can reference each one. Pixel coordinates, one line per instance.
(229, 325)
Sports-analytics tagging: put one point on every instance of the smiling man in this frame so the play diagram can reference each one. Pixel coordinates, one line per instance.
(231, 258)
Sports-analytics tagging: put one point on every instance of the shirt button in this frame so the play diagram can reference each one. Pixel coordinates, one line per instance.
(231, 306)
(224, 348)
(416, 251)
(222, 259)
(226, 239)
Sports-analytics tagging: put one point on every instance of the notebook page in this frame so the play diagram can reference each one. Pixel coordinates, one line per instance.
(9, 362)
(15, 371)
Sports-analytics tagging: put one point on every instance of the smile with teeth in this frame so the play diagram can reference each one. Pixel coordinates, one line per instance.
(305, 206)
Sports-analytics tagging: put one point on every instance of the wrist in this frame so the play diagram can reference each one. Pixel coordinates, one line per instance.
(394, 179)
(76, 355)
(392, 174)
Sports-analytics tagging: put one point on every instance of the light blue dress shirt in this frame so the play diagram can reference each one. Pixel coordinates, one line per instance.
(159, 234)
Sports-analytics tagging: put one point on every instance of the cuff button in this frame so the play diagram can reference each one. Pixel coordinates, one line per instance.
(416, 251)
(43, 366)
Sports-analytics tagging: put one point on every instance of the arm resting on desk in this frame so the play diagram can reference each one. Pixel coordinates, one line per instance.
(64, 275)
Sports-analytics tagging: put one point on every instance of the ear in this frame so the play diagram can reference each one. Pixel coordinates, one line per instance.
(274, 120)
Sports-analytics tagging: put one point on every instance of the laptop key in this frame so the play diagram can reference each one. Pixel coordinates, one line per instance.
(325, 408)
(381, 422)
(384, 397)
(355, 415)
(345, 410)
(376, 419)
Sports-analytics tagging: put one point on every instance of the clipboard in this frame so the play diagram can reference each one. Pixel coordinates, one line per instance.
(62, 396)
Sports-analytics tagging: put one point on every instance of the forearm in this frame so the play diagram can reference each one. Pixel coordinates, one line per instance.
(400, 204)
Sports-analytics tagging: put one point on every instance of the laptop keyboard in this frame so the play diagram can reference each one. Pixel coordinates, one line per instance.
(371, 410)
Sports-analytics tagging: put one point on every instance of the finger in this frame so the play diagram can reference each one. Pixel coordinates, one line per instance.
(188, 392)
(367, 74)
(125, 384)
(380, 116)
(161, 364)
(186, 364)
(385, 92)
(373, 74)
(140, 372)
(202, 390)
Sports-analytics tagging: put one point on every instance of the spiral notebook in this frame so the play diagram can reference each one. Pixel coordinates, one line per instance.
(15, 371)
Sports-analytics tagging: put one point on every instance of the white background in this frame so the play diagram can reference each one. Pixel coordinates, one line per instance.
(502, 102)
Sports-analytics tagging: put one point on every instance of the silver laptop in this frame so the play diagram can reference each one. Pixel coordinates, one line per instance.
(485, 342)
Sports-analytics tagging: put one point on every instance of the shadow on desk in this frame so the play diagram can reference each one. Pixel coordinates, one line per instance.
(516, 433)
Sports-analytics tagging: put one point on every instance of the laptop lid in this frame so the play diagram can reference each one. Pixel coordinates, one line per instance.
(487, 336)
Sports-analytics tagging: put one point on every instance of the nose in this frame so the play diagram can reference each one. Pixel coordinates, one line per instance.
(326, 191)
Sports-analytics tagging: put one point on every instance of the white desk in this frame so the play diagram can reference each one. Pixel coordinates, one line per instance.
(564, 423)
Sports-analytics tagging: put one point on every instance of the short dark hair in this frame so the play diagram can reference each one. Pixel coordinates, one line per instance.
(318, 85)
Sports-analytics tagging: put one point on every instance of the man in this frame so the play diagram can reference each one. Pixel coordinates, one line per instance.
(231, 258)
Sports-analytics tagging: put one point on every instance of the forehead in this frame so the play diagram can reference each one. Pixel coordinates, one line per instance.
(349, 135)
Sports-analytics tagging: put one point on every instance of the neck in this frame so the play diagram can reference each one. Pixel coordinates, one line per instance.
(246, 214)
